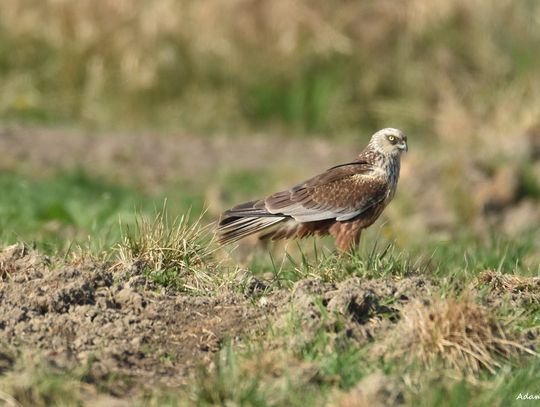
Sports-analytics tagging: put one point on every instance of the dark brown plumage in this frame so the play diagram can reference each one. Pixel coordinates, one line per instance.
(341, 201)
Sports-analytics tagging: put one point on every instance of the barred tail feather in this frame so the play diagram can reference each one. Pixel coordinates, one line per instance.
(234, 228)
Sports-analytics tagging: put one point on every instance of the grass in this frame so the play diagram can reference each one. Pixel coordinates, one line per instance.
(320, 263)
(453, 264)
(509, 283)
(172, 252)
(63, 211)
(44, 386)
(455, 350)
(234, 381)
(459, 333)
(289, 367)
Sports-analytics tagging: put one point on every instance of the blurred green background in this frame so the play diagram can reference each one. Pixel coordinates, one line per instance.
(211, 102)
(332, 67)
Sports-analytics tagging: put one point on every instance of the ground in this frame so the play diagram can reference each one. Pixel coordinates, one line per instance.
(125, 336)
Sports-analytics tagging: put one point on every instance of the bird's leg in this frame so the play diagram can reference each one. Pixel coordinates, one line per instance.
(348, 243)
(347, 236)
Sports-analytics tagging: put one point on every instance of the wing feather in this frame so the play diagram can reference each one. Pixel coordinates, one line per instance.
(342, 193)
(238, 227)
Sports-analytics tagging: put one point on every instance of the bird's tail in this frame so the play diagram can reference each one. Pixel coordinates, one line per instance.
(244, 220)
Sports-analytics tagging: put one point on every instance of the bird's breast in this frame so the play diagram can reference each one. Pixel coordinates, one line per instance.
(392, 174)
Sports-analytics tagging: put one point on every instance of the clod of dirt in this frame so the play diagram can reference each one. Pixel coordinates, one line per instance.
(18, 261)
(375, 390)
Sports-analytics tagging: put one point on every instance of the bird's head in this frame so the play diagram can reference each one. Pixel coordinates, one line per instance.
(389, 141)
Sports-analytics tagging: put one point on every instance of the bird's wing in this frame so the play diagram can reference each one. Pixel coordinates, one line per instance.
(340, 193)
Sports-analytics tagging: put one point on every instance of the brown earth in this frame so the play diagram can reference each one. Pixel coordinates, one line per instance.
(369, 306)
(87, 315)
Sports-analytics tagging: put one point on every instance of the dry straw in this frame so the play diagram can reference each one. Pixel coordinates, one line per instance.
(457, 333)
(175, 252)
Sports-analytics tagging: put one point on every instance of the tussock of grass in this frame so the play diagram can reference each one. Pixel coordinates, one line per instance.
(462, 335)
(173, 253)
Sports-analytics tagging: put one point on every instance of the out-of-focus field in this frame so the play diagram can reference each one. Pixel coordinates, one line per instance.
(443, 69)
(127, 127)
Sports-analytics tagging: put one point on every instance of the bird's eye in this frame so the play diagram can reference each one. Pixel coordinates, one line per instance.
(392, 139)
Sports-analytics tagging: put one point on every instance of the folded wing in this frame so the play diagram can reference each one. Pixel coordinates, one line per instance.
(340, 193)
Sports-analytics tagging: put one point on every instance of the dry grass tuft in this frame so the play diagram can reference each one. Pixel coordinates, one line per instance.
(460, 334)
(174, 253)
(508, 283)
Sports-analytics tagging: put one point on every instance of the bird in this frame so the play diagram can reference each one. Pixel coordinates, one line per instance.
(341, 201)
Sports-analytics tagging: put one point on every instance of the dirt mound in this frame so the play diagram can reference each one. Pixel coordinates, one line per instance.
(88, 316)
(364, 307)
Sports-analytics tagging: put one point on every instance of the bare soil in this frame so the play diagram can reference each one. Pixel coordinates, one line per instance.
(87, 315)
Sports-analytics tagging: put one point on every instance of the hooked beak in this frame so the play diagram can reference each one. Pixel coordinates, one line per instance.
(403, 146)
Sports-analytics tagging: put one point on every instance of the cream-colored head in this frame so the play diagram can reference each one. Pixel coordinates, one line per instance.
(389, 141)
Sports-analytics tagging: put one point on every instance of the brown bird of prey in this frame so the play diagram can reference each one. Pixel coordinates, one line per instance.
(341, 201)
